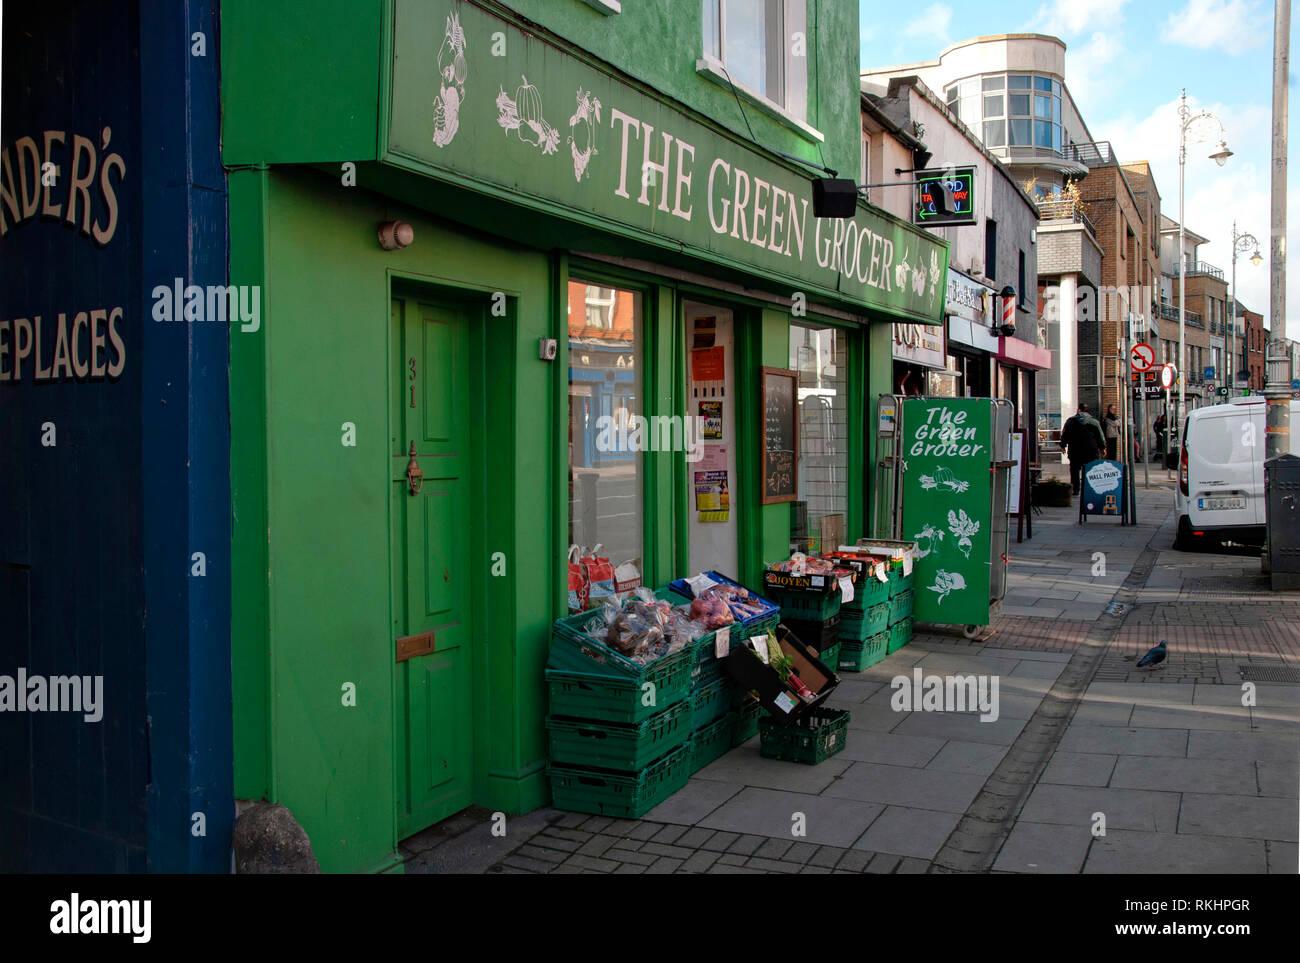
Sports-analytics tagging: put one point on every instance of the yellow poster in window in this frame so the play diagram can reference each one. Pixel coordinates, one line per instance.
(712, 498)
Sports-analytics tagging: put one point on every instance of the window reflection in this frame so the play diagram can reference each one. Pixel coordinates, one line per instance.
(605, 402)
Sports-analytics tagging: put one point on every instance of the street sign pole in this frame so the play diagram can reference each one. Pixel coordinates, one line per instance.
(1146, 452)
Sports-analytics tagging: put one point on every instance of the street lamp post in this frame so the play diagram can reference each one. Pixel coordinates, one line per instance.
(1186, 119)
(1241, 243)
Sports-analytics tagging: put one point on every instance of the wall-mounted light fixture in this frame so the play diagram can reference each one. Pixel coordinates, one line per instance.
(395, 235)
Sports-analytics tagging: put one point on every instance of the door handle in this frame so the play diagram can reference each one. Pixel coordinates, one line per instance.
(414, 476)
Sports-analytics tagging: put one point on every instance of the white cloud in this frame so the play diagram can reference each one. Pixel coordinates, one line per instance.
(1233, 26)
(1095, 71)
(1215, 196)
(932, 22)
(1070, 17)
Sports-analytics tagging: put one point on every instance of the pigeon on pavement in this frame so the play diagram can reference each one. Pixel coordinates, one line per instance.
(1155, 656)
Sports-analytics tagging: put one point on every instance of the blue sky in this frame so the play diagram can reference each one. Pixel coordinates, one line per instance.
(1126, 62)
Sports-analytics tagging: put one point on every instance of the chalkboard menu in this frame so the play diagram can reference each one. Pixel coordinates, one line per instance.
(780, 412)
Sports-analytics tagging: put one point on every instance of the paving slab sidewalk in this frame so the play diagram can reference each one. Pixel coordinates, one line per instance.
(1156, 771)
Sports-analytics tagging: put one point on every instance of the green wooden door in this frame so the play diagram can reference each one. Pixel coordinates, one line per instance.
(431, 562)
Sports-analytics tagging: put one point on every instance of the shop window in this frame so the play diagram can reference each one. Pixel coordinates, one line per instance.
(990, 248)
(820, 356)
(605, 411)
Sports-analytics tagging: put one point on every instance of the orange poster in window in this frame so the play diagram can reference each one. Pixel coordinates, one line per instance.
(708, 364)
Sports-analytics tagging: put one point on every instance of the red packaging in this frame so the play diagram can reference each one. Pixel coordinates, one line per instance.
(600, 576)
(579, 587)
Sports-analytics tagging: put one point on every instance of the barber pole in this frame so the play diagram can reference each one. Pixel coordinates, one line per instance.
(1009, 309)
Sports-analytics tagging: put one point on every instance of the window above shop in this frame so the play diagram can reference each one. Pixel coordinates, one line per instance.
(760, 47)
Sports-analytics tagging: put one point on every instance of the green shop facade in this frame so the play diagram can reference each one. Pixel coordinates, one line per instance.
(424, 423)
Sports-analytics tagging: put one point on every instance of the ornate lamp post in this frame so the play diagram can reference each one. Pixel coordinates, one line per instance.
(1241, 243)
(1186, 119)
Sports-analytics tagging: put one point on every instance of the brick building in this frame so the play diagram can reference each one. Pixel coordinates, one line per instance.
(1127, 231)
(1206, 313)
(1251, 345)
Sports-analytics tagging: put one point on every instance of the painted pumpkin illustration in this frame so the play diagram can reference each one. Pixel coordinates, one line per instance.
(523, 115)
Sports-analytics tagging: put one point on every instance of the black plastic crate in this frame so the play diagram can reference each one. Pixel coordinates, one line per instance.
(778, 698)
(816, 635)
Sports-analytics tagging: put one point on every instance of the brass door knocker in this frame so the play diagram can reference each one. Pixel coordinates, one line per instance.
(414, 477)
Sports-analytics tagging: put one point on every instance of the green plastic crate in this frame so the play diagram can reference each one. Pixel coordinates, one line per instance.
(746, 720)
(830, 656)
(900, 606)
(583, 695)
(705, 666)
(624, 795)
(857, 656)
(703, 674)
(711, 742)
(860, 626)
(710, 701)
(573, 650)
(868, 592)
(813, 738)
(900, 633)
(898, 582)
(807, 606)
(606, 745)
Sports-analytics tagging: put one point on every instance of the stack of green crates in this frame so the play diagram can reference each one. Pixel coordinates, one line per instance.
(900, 607)
(712, 693)
(613, 751)
(864, 625)
(814, 618)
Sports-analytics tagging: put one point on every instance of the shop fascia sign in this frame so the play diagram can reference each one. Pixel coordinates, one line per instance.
(968, 299)
(969, 307)
(920, 344)
(477, 100)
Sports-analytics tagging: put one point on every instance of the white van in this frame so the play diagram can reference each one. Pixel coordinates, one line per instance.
(1220, 493)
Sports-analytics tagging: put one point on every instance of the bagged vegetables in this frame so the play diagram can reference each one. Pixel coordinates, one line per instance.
(643, 628)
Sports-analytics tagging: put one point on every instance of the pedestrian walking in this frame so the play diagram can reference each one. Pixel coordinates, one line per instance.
(1083, 441)
(1160, 427)
(1112, 429)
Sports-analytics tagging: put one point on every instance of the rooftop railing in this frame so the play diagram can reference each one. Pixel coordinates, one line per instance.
(1092, 154)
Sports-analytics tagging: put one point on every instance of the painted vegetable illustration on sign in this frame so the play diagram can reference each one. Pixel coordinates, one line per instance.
(903, 269)
(944, 476)
(946, 582)
(452, 71)
(926, 538)
(523, 115)
(582, 130)
(963, 526)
